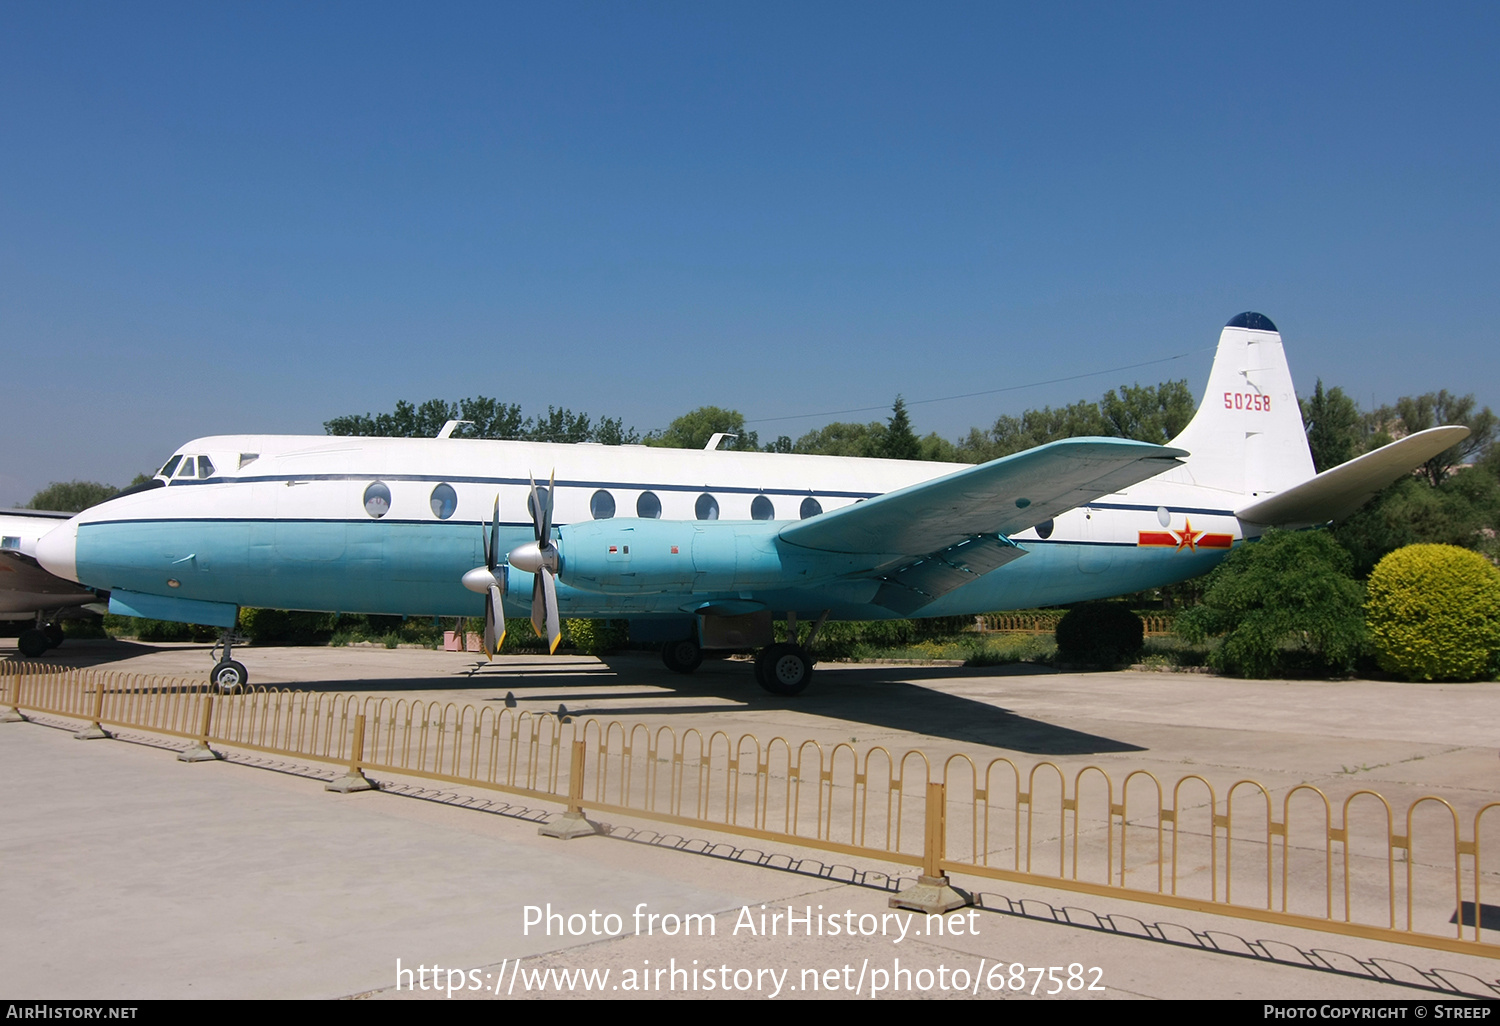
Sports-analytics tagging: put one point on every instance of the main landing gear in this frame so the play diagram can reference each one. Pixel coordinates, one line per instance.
(229, 675)
(782, 668)
(35, 642)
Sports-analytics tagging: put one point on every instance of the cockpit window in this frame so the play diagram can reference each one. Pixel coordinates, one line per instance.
(188, 467)
(166, 471)
(205, 468)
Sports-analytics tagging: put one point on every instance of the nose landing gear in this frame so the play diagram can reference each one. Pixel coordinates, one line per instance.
(229, 675)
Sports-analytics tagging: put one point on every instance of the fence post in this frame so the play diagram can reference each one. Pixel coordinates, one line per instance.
(932, 893)
(93, 731)
(354, 778)
(572, 823)
(200, 752)
(12, 713)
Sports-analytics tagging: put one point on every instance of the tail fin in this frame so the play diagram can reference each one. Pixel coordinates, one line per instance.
(1247, 436)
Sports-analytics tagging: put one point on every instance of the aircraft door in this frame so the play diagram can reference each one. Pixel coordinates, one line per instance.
(1095, 553)
(309, 523)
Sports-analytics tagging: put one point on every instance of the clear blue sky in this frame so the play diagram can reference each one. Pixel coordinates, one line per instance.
(255, 217)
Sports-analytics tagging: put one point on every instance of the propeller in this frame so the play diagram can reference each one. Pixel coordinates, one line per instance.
(541, 559)
(486, 581)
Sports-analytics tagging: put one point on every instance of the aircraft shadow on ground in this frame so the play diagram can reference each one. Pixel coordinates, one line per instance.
(881, 697)
(884, 697)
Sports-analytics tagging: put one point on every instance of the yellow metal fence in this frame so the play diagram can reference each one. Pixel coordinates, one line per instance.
(1356, 865)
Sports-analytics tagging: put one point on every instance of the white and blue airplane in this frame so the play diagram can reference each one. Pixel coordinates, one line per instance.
(700, 548)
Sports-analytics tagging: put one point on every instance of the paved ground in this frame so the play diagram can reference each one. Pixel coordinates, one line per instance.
(129, 874)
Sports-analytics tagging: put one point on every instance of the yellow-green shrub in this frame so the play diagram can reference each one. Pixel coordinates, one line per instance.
(1434, 613)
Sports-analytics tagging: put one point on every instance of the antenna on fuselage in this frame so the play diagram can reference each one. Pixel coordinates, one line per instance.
(718, 436)
(447, 431)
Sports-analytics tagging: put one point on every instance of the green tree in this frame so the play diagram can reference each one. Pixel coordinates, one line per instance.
(900, 442)
(693, 430)
(488, 418)
(1148, 413)
(1463, 510)
(1418, 413)
(1287, 603)
(1335, 427)
(1037, 427)
(71, 496)
(843, 439)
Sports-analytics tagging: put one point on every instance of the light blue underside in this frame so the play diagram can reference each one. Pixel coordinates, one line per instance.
(410, 568)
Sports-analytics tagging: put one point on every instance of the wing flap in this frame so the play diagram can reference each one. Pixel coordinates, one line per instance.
(1336, 493)
(996, 498)
(910, 587)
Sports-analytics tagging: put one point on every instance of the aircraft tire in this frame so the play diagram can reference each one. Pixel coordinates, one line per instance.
(231, 677)
(682, 656)
(33, 643)
(55, 635)
(784, 669)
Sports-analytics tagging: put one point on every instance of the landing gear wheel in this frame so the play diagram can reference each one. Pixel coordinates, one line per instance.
(55, 635)
(784, 669)
(231, 677)
(682, 656)
(33, 643)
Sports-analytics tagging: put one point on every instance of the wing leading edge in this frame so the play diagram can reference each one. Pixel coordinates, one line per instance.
(935, 536)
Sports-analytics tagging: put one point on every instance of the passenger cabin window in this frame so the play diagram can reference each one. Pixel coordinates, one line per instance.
(602, 505)
(377, 500)
(648, 506)
(1044, 530)
(762, 509)
(10, 542)
(810, 507)
(444, 501)
(707, 507)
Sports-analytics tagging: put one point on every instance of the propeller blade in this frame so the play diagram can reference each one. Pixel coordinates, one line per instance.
(546, 535)
(536, 512)
(554, 627)
(538, 605)
(494, 622)
(492, 546)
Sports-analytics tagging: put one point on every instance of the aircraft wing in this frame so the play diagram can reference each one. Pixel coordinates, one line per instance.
(932, 537)
(1336, 493)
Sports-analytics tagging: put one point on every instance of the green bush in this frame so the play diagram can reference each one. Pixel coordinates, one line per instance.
(597, 637)
(1285, 605)
(1434, 613)
(284, 627)
(157, 630)
(1099, 634)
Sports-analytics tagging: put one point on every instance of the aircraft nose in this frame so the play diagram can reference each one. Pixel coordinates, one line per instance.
(57, 551)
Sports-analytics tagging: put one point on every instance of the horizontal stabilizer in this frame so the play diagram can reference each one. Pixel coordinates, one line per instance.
(1000, 497)
(1336, 493)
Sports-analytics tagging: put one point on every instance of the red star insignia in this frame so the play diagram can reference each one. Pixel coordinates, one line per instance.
(1187, 537)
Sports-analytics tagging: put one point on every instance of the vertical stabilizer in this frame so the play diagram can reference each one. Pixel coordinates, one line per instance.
(1247, 437)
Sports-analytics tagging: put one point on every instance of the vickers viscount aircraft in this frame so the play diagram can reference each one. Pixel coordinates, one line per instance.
(27, 592)
(700, 549)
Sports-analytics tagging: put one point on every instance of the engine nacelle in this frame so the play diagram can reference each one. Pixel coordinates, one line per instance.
(643, 557)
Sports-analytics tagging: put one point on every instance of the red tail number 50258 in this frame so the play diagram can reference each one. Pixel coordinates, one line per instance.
(1246, 401)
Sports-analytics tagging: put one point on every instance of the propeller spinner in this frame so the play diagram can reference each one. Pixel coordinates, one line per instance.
(491, 584)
